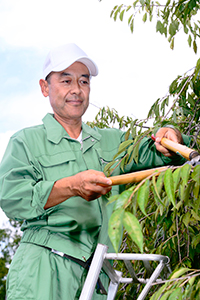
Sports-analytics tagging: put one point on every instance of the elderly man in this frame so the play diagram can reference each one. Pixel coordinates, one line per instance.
(51, 176)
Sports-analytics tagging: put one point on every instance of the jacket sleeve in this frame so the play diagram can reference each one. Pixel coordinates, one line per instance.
(23, 192)
(149, 157)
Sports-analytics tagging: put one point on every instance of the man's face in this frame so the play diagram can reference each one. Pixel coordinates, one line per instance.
(68, 92)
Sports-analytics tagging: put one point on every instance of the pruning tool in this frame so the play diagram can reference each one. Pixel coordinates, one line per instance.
(191, 155)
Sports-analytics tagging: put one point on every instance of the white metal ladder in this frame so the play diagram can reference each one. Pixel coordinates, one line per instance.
(101, 260)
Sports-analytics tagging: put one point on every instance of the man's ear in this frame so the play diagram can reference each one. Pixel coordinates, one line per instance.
(44, 87)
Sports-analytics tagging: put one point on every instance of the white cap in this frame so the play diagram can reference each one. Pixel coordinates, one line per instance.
(62, 57)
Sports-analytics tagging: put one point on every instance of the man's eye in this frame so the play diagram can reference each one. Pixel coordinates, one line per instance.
(84, 81)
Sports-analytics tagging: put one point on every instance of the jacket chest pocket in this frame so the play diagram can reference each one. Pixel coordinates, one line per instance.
(58, 166)
(107, 157)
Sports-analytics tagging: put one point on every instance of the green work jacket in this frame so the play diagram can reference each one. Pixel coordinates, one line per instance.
(38, 156)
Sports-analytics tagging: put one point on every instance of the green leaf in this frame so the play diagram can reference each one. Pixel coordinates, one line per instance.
(156, 110)
(157, 295)
(196, 87)
(174, 116)
(190, 40)
(130, 19)
(195, 47)
(191, 100)
(135, 3)
(197, 69)
(132, 226)
(135, 154)
(129, 155)
(195, 215)
(132, 25)
(192, 4)
(128, 8)
(107, 169)
(191, 282)
(159, 182)
(127, 134)
(144, 17)
(164, 103)
(121, 15)
(165, 295)
(169, 186)
(155, 191)
(186, 218)
(123, 162)
(143, 196)
(198, 64)
(196, 174)
(130, 151)
(196, 177)
(122, 147)
(176, 294)
(184, 191)
(115, 15)
(186, 29)
(179, 273)
(172, 44)
(112, 199)
(159, 27)
(185, 173)
(115, 228)
(173, 86)
(122, 199)
(196, 191)
(176, 177)
(112, 12)
(172, 28)
(152, 109)
(195, 240)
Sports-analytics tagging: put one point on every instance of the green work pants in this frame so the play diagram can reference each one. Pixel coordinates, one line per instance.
(38, 274)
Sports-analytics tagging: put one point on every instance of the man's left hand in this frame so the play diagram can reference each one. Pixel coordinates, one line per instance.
(169, 133)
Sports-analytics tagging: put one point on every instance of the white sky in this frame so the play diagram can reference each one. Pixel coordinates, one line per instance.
(134, 69)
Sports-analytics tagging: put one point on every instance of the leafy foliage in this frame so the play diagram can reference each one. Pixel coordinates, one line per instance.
(4, 259)
(9, 241)
(163, 211)
(161, 214)
(171, 17)
(173, 289)
(184, 111)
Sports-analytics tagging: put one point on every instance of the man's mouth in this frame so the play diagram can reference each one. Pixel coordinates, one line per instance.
(74, 101)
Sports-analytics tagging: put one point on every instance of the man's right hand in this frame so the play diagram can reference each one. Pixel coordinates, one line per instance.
(90, 185)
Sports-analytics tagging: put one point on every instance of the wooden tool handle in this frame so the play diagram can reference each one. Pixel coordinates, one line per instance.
(140, 175)
(179, 149)
(136, 176)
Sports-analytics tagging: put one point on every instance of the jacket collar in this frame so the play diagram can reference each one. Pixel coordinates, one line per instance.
(55, 131)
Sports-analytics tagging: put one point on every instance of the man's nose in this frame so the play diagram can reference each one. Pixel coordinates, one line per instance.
(75, 87)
